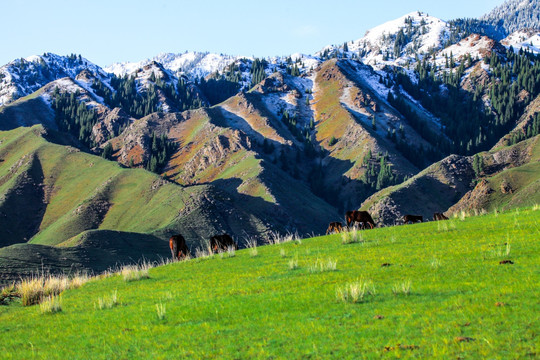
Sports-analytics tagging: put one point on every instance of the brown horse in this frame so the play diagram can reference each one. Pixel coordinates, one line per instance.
(361, 217)
(178, 246)
(439, 216)
(412, 218)
(222, 243)
(334, 226)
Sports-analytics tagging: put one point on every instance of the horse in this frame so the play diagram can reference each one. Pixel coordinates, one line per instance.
(361, 217)
(222, 242)
(412, 218)
(439, 216)
(178, 246)
(334, 226)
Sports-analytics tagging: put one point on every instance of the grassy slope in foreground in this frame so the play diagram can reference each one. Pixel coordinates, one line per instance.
(462, 302)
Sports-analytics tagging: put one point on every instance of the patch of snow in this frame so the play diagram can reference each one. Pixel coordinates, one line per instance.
(523, 39)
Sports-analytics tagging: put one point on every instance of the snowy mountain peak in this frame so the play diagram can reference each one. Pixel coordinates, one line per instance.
(397, 41)
(22, 77)
(196, 64)
(514, 15)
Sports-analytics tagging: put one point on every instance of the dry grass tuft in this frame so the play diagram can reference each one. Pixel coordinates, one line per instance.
(50, 305)
(107, 302)
(355, 292)
(323, 265)
(135, 272)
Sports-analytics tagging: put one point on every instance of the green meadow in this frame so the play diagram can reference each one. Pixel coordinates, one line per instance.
(466, 288)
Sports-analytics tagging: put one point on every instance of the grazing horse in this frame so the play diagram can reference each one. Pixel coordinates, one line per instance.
(334, 226)
(439, 216)
(361, 217)
(222, 242)
(178, 246)
(412, 218)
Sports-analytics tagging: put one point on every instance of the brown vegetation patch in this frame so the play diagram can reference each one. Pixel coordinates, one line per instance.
(502, 262)
(401, 347)
(463, 339)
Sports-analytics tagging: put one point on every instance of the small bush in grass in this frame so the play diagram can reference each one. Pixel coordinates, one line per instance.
(323, 265)
(293, 263)
(251, 244)
(436, 263)
(135, 272)
(462, 215)
(403, 288)
(201, 253)
(33, 290)
(107, 302)
(276, 238)
(50, 305)
(161, 310)
(355, 292)
(352, 237)
(78, 280)
(498, 251)
(8, 293)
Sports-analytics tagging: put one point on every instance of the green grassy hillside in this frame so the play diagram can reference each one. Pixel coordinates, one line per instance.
(433, 290)
(51, 194)
(510, 178)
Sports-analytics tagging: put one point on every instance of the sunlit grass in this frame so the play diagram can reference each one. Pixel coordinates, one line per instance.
(408, 291)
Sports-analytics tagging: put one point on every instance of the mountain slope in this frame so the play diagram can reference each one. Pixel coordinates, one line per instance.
(432, 291)
(509, 178)
(51, 193)
(514, 15)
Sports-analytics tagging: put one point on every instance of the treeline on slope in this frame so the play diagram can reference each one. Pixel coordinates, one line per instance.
(220, 87)
(73, 116)
(528, 132)
(159, 152)
(469, 125)
(140, 104)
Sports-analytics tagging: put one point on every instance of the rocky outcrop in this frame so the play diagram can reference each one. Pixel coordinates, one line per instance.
(111, 124)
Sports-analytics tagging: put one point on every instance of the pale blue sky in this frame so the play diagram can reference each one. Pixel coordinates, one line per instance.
(117, 30)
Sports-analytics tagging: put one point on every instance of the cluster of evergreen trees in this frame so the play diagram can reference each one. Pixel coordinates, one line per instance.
(73, 116)
(257, 71)
(160, 151)
(220, 87)
(378, 174)
(182, 95)
(469, 126)
(531, 130)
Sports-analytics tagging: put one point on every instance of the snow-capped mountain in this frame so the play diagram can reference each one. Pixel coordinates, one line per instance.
(514, 15)
(194, 64)
(398, 41)
(22, 77)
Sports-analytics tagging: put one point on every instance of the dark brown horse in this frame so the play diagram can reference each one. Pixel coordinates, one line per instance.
(222, 243)
(412, 218)
(439, 216)
(334, 226)
(361, 217)
(178, 246)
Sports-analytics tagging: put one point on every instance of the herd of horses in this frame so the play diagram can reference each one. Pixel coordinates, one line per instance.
(218, 243)
(364, 219)
(223, 242)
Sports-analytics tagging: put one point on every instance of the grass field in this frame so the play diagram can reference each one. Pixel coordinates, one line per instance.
(431, 290)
